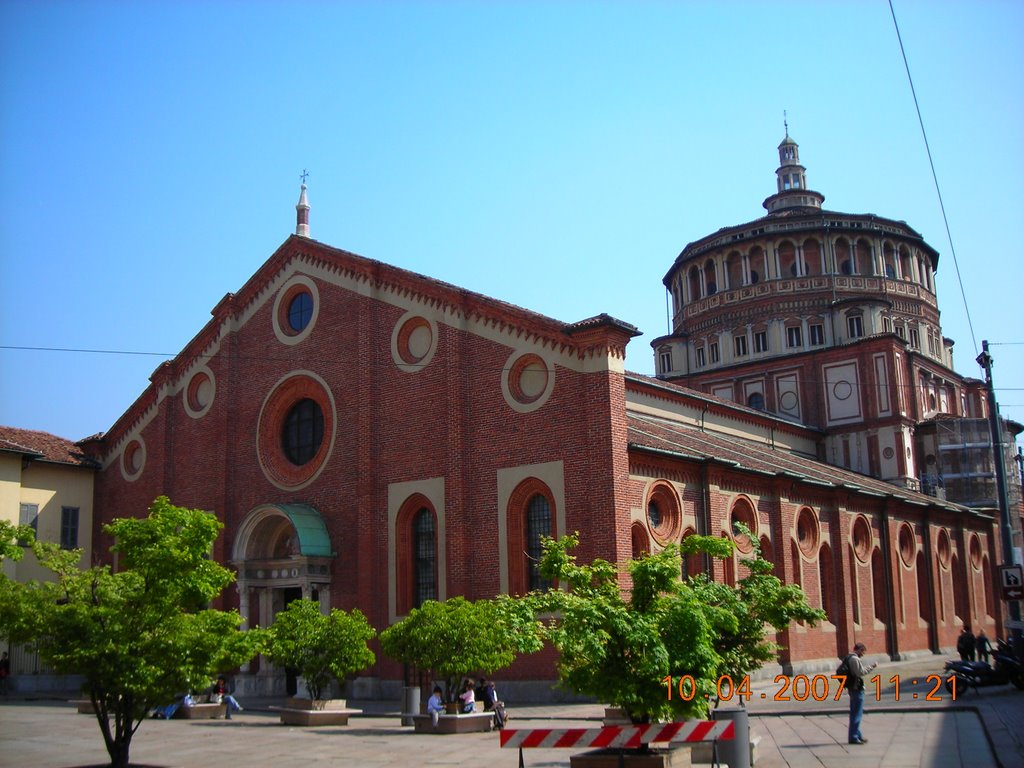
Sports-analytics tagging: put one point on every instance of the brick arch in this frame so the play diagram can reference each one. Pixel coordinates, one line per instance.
(405, 556)
(745, 511)
(518, 560)
(827, 583)
(638, 536)
(694, 563)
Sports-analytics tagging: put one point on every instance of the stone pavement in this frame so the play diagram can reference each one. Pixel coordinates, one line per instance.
(980, 729)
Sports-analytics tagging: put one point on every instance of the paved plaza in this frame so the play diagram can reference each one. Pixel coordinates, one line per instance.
(980, 729)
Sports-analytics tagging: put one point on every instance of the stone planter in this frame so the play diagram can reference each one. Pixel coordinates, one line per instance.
(610, 758)
(307, 712)
(317, 705)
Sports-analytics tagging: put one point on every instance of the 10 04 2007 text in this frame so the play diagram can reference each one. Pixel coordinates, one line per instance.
(812, 688)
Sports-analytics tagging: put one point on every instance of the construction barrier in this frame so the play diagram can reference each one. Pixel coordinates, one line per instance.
(619, 736)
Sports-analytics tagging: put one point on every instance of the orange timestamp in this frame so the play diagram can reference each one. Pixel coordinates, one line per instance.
(809, 688)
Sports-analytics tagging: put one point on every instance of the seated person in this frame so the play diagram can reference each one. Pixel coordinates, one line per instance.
(221, 692)
(435, 705)
(468, 697)
(167, 711)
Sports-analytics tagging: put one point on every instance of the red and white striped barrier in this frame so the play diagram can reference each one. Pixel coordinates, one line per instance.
(619, 736)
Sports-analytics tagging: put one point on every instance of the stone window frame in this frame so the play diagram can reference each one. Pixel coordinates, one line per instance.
(519, 564)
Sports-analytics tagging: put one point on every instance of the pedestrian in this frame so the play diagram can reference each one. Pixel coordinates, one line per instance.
(855, 670)
(222, 692)
(5, 672)
(435, 705)
(965, 644)
(982, 646)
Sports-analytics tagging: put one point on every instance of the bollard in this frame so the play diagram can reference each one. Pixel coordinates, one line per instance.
(411, 703)
(736, 753)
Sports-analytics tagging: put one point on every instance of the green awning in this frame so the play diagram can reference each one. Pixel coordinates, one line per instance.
(310, 528)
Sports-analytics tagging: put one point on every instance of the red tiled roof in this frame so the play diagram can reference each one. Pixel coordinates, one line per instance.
(684, 441)
(42, 446)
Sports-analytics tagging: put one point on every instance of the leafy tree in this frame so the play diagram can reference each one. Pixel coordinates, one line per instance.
(320, 646)
(739, 615)
(621, 648)
(456, 638)
(141, 636)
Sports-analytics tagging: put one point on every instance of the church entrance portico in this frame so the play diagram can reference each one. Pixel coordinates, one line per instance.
(282, 552)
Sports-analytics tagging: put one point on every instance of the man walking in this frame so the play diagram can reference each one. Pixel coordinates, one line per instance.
(856, 670)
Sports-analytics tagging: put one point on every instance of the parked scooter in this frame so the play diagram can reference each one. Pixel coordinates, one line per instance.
(1007, 668)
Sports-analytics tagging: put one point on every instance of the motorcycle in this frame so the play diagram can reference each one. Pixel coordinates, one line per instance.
(1007, 668)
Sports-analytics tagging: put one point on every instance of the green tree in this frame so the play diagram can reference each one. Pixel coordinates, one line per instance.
(457, 638)
(140, 636)
(621, 648)
(320, 646)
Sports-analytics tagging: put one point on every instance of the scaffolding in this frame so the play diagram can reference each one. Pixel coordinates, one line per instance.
(963, 470)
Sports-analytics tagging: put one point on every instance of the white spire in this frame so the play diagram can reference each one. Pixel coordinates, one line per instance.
(302, 209)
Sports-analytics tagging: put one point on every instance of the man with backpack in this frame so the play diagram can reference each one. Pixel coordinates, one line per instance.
(854, 670)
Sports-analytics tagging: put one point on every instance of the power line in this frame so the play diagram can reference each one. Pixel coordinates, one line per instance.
(935, 178)
(308, 359)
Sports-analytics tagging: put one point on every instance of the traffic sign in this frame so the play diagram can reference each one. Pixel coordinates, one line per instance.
(1011, 579)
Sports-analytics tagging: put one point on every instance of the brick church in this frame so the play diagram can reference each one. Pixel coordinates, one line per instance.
(374, 438)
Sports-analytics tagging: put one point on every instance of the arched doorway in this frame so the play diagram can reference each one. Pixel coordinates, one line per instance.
(282, 552)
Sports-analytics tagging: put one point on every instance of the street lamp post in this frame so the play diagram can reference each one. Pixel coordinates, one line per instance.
(1002, 496)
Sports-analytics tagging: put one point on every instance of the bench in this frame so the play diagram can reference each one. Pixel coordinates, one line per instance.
(201, 710)
(472, 722)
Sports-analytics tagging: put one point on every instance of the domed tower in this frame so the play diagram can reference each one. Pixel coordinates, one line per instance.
(825, 318)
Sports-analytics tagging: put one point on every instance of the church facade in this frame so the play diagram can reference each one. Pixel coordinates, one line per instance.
(374, 438)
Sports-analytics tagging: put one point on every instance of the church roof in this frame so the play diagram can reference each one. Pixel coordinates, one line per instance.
(687, 442)
(42, 446)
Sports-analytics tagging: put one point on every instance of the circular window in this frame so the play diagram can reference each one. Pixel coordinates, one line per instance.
(300, 311)
(743, 513)
(413, 342)
(944, 548)
(303, 432)
(788, 401)
(975, 550)
(296, 430)
(862, 539)
(295, 310)
(133, 459)
(664, 516)
(199, 393)
(908, 547)
(888, 453)
(654, 513)
(527, 381)
(807, 532)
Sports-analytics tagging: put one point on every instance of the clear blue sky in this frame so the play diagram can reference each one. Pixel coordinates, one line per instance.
(554, 155)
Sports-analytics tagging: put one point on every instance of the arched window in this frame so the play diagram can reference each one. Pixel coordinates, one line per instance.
(417, 559)
(538, 525)
(424, 551)
(924, 598)
(531, 517)
(827, 581)
(878, 589)
(638, 535)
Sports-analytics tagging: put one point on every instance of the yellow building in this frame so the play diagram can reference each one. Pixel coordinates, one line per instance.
(46, 482)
